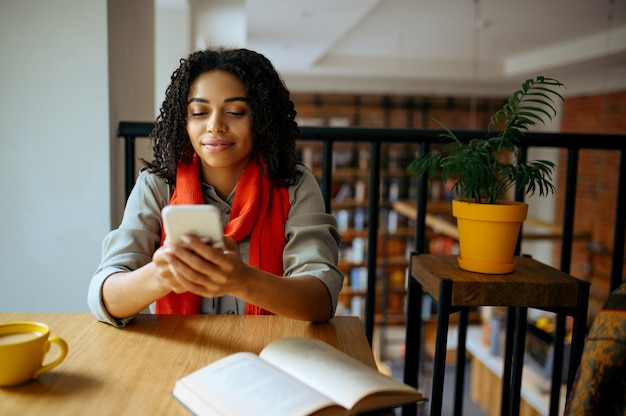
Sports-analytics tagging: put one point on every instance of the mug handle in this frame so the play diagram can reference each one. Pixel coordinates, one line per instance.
(63, 352)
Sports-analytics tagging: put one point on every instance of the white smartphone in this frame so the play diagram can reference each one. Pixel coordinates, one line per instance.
(202, 220)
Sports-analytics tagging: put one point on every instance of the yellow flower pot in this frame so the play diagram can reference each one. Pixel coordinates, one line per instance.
(488, 235)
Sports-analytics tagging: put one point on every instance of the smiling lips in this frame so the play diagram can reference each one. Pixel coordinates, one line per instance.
(216, 145)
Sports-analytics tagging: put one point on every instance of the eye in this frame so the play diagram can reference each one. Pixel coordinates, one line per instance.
(197, 112)
(235, 110)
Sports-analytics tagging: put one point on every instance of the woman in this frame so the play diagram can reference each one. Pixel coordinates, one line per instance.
(225, 136)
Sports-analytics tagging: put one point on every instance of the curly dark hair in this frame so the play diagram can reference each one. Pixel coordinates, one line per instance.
(273, 125)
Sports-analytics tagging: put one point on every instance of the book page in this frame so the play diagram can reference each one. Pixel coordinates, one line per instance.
(243, 384)
(335, 374)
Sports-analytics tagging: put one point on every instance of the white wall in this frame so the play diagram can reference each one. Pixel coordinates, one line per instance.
(55, 203)
(173, 42)
(131, 85)
(218, 23)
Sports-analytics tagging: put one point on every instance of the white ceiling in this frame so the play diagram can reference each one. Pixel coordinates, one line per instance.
(440, 46)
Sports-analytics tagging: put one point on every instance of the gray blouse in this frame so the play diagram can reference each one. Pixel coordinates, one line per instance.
(311, 234)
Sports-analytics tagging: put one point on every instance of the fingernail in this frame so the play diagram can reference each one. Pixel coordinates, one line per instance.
(186, 239)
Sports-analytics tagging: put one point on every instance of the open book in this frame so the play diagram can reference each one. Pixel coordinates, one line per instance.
(291, 376)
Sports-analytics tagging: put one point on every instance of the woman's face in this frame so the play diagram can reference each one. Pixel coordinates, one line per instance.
(219, 121)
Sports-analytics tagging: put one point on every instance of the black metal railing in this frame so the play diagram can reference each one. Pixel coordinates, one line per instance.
(376, 137)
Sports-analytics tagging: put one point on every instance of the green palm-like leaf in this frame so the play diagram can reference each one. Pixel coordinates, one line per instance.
(478, 168)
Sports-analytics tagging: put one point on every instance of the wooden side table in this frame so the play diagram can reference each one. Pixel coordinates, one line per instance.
(532, 285)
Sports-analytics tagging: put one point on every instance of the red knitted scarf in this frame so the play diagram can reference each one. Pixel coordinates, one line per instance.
(259, 210)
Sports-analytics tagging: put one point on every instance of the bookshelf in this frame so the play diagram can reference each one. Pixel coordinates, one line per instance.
(349, 205)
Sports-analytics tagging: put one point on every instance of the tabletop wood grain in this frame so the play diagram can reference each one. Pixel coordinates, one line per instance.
(132, 370)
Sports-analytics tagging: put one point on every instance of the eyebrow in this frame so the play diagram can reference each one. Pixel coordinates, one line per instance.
(227, 100)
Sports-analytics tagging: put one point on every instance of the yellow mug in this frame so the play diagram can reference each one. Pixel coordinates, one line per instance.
(23, 346)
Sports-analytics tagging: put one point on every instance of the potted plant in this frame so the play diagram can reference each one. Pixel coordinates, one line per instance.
(485, 169)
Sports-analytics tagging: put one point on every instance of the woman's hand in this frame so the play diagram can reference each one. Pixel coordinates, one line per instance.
(197, 267)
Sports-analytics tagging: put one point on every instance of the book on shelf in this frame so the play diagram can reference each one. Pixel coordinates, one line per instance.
(291, 376)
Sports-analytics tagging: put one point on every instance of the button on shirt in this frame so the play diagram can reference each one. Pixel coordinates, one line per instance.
(311, 234)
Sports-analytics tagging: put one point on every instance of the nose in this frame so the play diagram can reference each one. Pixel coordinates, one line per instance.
(216, 124)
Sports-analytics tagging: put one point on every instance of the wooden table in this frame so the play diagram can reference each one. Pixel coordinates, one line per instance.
(132, 370)
(531, 285)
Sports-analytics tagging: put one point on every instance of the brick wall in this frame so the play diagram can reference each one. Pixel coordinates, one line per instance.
(395, 111)
(596, 188)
